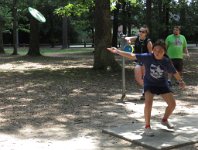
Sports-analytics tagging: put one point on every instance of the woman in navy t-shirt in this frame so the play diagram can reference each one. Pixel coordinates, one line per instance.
(157, 65)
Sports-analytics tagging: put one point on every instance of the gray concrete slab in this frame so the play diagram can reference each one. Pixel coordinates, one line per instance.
(186, 132)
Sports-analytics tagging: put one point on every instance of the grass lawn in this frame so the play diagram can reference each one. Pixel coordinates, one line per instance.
(47, 50)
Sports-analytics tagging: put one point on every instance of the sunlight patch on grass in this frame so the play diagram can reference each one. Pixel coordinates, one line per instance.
(43, 51)
(26, 66)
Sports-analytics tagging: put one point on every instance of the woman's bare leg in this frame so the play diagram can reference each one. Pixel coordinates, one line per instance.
(138, 75)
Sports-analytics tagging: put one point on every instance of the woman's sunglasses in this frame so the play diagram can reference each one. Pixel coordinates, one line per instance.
(142, 31)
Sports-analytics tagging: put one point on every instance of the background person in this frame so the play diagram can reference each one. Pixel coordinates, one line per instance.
(176, 45)
(142, 44)
(157, 64)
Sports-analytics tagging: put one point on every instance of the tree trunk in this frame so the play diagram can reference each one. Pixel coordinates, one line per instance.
(124, 17)
(115, 26)
(166, 17)
(15, 27)
(103, 58)
(34, 38)
(1, 36)
(182, 10)
(129, 25)
(52, 38)
(93, 37)
(163, 18)
(160, 17)
(148, 13)
(65, 32)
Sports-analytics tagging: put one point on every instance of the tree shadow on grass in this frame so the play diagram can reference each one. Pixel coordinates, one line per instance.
(63, 98)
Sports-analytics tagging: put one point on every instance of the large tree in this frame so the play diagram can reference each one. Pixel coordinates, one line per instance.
(148, 13)
(15, 26)
(102, 58)
(65, 38)
(2, 21)
(115, 24)
(34, 49)
(5, 22)
(10, 9)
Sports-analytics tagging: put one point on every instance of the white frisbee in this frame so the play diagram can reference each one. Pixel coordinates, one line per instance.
(36, 14)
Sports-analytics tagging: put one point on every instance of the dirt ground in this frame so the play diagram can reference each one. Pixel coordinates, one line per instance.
(60, 102)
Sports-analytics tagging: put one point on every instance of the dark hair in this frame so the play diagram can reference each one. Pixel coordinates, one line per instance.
(147, 29)
(177, 27)
(160, 42)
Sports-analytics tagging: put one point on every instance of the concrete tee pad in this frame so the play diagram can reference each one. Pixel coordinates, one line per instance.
(185, 132)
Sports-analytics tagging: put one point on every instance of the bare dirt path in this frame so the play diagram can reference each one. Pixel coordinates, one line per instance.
(61, 103)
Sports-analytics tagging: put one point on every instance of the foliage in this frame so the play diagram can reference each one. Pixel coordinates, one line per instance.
(76, 8)
(187, 18)
(191, 25)
(80, 13)
(69, 9)
(81, 18)
(6, 15)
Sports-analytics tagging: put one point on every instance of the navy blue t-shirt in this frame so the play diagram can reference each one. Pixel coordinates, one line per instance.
(155, 70)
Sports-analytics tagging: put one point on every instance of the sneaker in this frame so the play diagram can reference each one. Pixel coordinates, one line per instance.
(168, 124)
(148, 132)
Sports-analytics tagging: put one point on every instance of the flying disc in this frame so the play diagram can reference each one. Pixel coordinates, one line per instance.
(128, 48)
(36, 14)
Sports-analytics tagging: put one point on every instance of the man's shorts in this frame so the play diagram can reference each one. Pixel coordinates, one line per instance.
(157, 90)
(178, 64)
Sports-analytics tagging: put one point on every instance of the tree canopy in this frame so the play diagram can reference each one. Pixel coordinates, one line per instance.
(77, 20)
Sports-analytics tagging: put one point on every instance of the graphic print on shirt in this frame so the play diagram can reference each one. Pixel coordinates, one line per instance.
(178, 42)
(155, 71)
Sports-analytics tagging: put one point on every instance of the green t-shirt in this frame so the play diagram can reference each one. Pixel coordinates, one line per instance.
(175, 46)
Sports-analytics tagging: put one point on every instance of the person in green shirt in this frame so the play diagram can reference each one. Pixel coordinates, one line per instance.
(176, 45)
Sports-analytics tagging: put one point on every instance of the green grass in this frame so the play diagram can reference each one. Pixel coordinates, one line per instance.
(24, 51)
